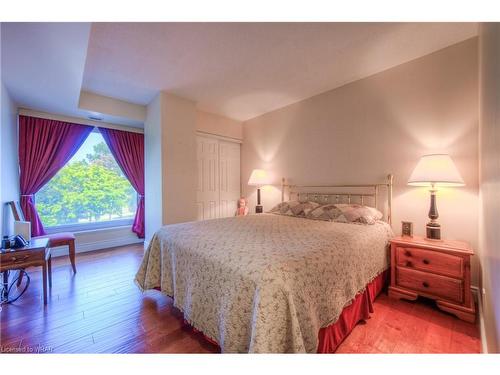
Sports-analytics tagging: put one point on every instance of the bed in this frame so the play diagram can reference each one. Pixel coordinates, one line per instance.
(271, 283)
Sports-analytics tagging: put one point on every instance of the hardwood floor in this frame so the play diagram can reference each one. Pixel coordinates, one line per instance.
(101, 310)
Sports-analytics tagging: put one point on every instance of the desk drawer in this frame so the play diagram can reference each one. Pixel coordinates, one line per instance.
(430, 284)
(20, 257)
(430, 260)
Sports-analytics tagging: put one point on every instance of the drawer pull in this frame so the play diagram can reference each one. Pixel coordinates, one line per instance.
(426, 261)
(15, 259)
(407, 253)
(425, 284)
(409, 264)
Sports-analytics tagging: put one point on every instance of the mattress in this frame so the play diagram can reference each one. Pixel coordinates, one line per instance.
(264, 283)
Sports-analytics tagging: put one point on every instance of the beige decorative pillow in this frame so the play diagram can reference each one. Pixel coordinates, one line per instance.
(278, 207)
(294, 208)
(284, 208)
(303, 208)
(287, 208)
(346, 213)
(327, 212)
(355, 213)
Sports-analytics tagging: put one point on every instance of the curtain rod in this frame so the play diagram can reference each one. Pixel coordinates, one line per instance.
(76, 120)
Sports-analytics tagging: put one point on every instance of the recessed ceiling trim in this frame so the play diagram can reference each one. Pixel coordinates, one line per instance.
(111, 106)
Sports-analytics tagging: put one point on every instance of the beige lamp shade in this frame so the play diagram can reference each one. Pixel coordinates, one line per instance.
(435, 169)
(259, 177)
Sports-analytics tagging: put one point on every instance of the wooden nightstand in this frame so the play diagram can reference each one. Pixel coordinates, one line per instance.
(437, 269)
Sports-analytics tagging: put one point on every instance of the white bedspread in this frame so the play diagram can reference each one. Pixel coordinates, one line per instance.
(264, 283)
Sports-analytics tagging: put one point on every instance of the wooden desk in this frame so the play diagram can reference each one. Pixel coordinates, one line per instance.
(37, 253)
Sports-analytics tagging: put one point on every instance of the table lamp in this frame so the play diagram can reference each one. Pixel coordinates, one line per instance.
(435, 170)
(259, 178)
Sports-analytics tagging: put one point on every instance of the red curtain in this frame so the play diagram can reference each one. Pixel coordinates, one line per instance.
(128, 150)
(45, 146)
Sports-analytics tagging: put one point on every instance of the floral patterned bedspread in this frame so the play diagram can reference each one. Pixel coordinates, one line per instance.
(264, 283)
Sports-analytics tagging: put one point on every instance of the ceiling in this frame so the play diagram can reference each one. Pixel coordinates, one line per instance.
(239, 70)
(43, 63)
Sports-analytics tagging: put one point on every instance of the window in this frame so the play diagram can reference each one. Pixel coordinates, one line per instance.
(89, 192)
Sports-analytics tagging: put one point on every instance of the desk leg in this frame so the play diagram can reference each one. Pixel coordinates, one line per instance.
(44, 271)
(5, 282)
(49, 270)
(20, 278)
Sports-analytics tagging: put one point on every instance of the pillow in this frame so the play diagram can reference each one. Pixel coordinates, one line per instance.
(284, 208)
(294, 208)
(346, 213)
(303, 208)
(355, 213)
(327, 212)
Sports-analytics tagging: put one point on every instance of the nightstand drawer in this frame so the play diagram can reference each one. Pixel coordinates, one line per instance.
(431, 284)
(429, 260)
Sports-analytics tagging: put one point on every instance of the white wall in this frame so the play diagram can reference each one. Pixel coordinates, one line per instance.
(9, 171)
(361, 131)
(179, 159)
(170, 162)
(219, 125)
(489, 146)
(153, 197)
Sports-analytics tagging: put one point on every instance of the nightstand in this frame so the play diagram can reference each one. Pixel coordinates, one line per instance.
(437, 269)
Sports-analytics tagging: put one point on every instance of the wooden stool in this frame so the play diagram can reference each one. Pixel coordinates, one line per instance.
(63, 239)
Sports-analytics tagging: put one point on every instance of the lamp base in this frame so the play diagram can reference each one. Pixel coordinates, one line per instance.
(259, 209)
(433, 228)
(433, 231)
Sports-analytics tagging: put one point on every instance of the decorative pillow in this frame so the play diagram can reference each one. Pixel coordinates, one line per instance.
(277, 208)
(346, 213)
(284, 208)
(294, 208)
(355, 213)
(327, 212)
(303, 208)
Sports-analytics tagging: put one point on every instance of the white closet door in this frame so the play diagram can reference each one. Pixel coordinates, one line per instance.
(208, 178)
(218, 177)
(229, 176)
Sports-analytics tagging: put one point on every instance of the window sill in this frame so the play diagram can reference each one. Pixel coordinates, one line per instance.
(98, 230)
(87, 228)
(98, 239)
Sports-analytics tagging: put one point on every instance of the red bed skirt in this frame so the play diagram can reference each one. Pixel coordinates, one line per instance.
(332, 336)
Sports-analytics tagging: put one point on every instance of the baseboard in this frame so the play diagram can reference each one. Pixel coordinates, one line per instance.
(482, 331)
(96, 245)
